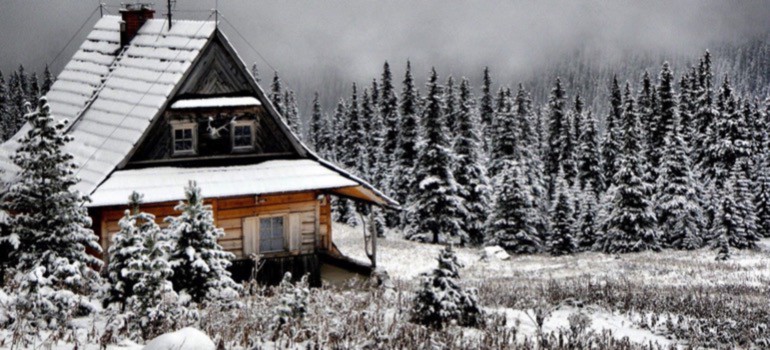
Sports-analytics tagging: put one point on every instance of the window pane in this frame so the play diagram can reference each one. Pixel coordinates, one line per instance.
(271, 234)
(242, 136)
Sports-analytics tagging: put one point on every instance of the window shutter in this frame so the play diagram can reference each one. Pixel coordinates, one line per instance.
(250, 236)
(295, 232)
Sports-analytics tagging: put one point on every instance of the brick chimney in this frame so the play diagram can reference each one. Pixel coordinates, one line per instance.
(134, 15)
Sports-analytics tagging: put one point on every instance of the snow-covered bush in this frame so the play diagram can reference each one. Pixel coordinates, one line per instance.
(292, 301)
(199, 263)
(441, 300)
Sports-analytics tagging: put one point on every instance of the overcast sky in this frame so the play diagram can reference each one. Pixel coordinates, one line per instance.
(349, 40)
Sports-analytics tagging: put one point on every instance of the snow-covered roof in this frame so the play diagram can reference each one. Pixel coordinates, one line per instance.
(111, 96)
(167, 183)
(215, 102)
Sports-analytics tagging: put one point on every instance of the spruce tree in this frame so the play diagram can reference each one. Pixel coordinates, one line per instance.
(125, 250)
(199, 263)
(47, 81)
(276, 96)
(613, 134)
(706, 113)
(647, 117)
(486, 105)
(470, 172)
(390, 115)
(317, 129)
(405, 156)
(292, 113)
(728, 229)
(502, 135)
(34, 88)
(440, 298)
(352, 154)
(514, 218)
(687, 108)
(630, 223)
(338, 123)
(452, 105)
(569, 156)
(50, 223)
(589, 165)
(558, 132)
(255, 73)
(561, 239)
(587, 224)
(680, 219)
(664, 120)
(4, 111)
(762, 199)
(436, 207)
(744, 200)
(730, 137)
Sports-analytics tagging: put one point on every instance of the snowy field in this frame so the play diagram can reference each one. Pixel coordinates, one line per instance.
(570, 284)
(668, 300)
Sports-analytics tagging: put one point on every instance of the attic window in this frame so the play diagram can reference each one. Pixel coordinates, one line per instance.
(184, 138)
(243, 135)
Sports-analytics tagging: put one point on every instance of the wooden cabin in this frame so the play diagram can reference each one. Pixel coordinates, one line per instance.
(153, 105)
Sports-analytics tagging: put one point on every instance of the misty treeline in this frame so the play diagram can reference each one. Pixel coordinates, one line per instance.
(16, 90)
(681, 162)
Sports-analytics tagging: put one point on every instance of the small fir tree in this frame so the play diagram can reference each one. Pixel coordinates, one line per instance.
(441, 299)
(561, 239)
(513, 223)
(126, 248)
(587, 224)
(199, 263)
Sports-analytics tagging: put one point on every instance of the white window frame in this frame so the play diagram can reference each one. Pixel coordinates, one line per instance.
(252, 125)
(292, 235)
(179, 126)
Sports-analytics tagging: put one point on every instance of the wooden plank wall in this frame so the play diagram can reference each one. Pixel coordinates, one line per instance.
(315, 218)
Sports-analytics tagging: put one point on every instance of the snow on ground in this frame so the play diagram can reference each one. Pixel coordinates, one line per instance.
(403, 259)
(183, 339)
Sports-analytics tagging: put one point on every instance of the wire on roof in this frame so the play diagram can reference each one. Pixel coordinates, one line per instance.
(73, 36)
(253, 48)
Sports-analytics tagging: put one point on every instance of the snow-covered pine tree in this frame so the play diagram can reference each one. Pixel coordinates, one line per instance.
(706, 113)
(728, 228)
(316, 130)
(569, 156)
(255, 73)
(486, 106)
(365, 135)
(647, 117)
(513, 223)
(125, 250)
(199, 263)
(4, 109)
(154, 296)
(440, 298)
(452, 105)
(470, 172)
(50, 223)
(687, 107)
(744, 200)
(589, 164)
(337, 131)
(16, 110)
(378, 162)
(630, 224)
(34, 87)
(762, 198)
(403, 180)
(352, 154)
(664, 119)
(276, 96)
(390, 115)
(502, 135)
(558, 133)
(561, 239)
(47, 81)
(612, 143)
(730, 137)
(680, 218)
(436, 207)
(587, 219)
(291, 115)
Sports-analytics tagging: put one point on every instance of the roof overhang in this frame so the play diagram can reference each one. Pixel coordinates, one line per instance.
(166, 184)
